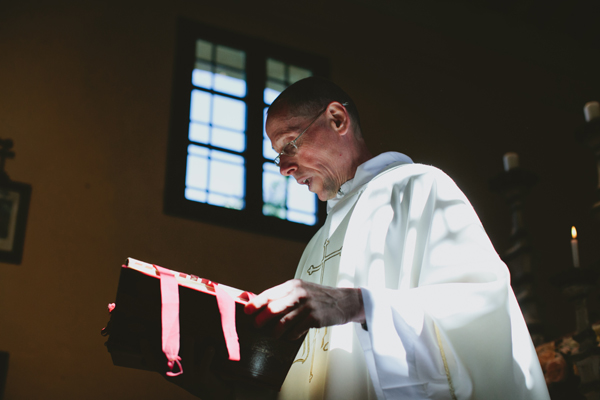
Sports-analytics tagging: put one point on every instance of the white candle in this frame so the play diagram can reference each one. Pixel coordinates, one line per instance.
(591, 110)
(511, 160)
(575, 247)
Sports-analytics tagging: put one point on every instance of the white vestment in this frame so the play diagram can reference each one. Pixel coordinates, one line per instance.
(442, 319)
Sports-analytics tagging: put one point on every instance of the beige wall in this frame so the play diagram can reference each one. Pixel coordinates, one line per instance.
(85, 94)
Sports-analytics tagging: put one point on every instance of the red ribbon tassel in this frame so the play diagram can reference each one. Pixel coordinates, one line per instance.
(227, 309)
(169, 292)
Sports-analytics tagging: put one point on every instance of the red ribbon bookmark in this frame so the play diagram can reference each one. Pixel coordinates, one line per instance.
(169, 291)
(227, 309)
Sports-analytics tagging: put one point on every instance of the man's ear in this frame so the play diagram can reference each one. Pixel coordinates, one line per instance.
(338, 118)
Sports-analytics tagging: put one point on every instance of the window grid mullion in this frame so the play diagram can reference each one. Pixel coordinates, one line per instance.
(255, 81)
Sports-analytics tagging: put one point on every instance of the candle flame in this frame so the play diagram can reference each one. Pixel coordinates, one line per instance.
(573, 232)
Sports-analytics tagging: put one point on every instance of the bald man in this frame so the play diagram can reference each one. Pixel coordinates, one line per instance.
(401, 292)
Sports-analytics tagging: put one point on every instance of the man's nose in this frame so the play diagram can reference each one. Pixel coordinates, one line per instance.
(287, 166)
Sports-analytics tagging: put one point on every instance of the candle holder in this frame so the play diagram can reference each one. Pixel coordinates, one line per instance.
(576, 284)
(514, 185)
(589, 136)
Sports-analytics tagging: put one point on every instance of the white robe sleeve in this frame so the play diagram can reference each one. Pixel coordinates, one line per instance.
(444, 285)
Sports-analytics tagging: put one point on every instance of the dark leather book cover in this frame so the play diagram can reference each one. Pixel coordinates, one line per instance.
(134, 332)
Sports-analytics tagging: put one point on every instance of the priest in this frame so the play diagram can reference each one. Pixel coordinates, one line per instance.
(401, 292)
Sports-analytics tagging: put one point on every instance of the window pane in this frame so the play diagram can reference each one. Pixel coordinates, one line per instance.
(231, 83)
(276, 86)
(226, 178)
(299, 198)
(231, 57)
(272, 90)
(297, 73)
(195, 195)
(285, 199)
(272, 168)
(198, 133)
(302, 218)
(196, 172)
(273, 211)
(227, 157)
(204, 49)
(215, 177)
(202, 78)
(270, 96)
(202, 75)
(275, 69)
(229, 113)
(230, 140)
(273, 187)
(268, 151)
(200, 106)
(225, 201)
(198, 150)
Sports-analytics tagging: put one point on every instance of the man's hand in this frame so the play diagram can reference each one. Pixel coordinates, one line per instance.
(299, 306)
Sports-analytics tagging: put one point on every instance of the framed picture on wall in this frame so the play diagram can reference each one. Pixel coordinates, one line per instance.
(14, 207)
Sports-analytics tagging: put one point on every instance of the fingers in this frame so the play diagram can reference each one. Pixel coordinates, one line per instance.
(276, 308)
(293, 324)
(269, 295)
(299, 306)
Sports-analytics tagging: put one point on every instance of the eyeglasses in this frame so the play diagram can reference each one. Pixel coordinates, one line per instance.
(291, 149)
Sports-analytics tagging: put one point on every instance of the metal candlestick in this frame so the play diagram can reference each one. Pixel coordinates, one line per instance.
(576, 284)
(514, 185)
(589, 136)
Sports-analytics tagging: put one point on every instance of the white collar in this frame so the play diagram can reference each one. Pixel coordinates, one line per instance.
(367, 171)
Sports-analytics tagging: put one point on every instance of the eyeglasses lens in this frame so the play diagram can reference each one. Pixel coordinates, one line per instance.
(289, 150)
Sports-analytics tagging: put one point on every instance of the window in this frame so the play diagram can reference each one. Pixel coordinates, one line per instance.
(219, 166)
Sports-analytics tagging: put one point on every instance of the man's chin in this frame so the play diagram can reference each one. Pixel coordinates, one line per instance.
(325, 195)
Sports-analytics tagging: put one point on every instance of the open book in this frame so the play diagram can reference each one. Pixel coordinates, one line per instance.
(135, 329)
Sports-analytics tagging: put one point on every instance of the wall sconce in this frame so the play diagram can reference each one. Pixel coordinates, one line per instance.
(14, 207)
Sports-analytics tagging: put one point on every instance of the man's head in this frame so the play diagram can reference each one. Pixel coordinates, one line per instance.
(308, 96)
(331, 146)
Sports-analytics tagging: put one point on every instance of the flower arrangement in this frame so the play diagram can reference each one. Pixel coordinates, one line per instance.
(559, 370)
(553, 362)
